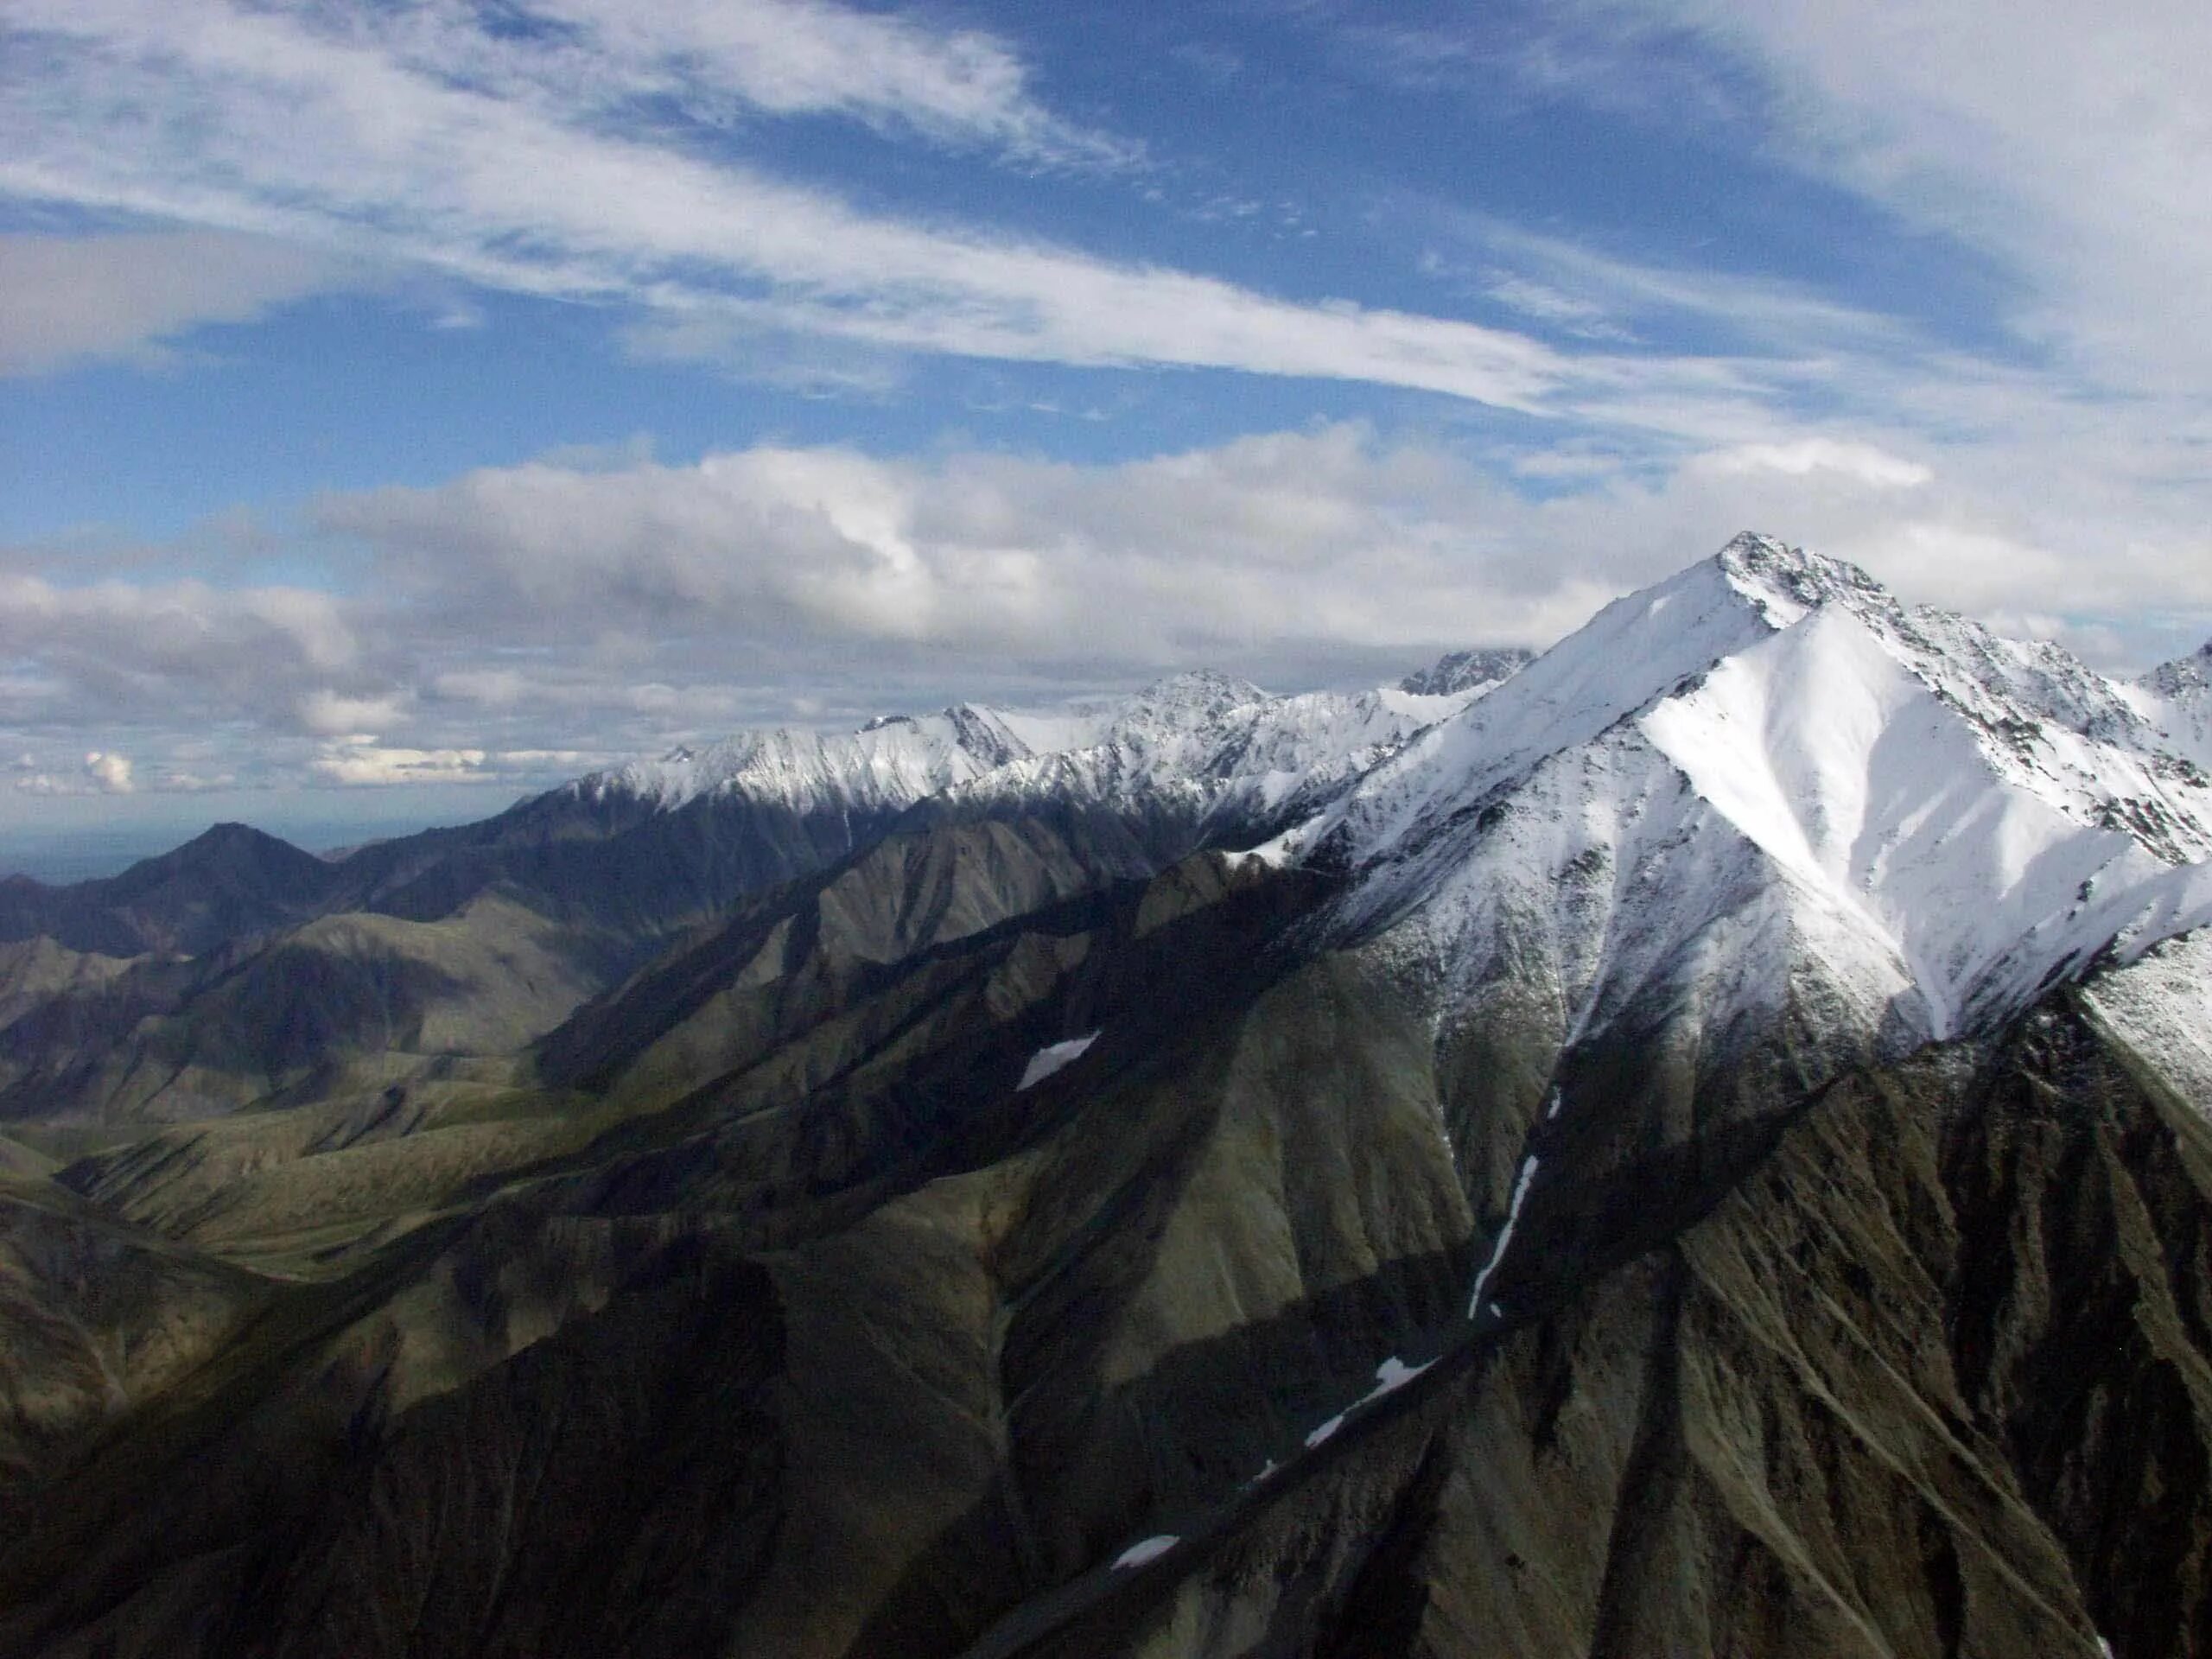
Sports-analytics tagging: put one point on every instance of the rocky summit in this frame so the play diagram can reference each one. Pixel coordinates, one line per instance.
(1697, 1143)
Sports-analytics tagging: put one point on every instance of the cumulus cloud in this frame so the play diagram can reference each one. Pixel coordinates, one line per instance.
(1292, 545)
(186, 649)
(109, 772)
(516, 624)
(1863, 462)
(359, 760)
(103, 772)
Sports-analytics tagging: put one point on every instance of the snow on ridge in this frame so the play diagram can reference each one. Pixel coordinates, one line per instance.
(1467, 671)
(1054, 1056)
(2176, 698)
(1635, 650)
(1143, 1553)
(1220, 748)
(1766, 766)
(1210, 739)
(892, 762)
(1861, 782)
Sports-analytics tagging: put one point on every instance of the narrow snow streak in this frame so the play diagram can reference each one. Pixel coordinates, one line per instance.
(1150, 1550)
(1324, 1431)
(1057, 1057)
(1505, 1233)
(1392, 1375)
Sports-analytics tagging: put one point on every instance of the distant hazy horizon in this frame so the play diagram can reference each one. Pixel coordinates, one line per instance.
(89, 850)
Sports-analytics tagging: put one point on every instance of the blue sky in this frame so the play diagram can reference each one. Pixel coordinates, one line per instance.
(404, 406)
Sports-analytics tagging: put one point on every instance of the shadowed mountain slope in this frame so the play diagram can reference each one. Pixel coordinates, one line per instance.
(1706, 1149)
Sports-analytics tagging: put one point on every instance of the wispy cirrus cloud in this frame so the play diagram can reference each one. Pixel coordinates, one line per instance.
(961, 87)
(441, 145)
(577, 151)
(2067, 142)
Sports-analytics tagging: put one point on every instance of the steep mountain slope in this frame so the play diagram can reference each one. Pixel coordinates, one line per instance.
(868, 1312)
(1766, 774)
(474, 942)
(1703, 1149)
(1467, 671)
(2176, 698)
(1202, 759)
(230, 881)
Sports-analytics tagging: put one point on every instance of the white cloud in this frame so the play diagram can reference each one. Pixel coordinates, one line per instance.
(2069, 140)
(360, 760)
(110, 772)
(520, 624)
(1288, 546)
(327, 714)
(803, 57)
(1548, 304)
(283, 122)
(229, 642)
(1864, 462)
(121, 295)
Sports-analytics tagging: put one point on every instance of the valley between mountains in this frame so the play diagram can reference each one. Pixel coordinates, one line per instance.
(1697, 1142)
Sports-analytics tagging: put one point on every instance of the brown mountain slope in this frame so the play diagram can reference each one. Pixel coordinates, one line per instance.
(829, 1337)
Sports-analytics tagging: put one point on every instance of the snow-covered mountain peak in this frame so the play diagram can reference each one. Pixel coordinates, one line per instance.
(2176, 698)
(2182, 676)
(1637, 649)
(1184, 703)
(1787, 582)
(890, 762)
(1466, 670)
(1765, 767)
(1211, 746)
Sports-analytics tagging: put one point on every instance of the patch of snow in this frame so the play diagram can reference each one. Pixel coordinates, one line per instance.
(1056, 1057)
(1325, 1432)
(2160, 1005)
(1150, 1550)
(1392, 1375)
(1504, 1233)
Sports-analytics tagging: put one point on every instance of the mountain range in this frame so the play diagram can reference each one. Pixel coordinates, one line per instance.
(1698, 1141)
